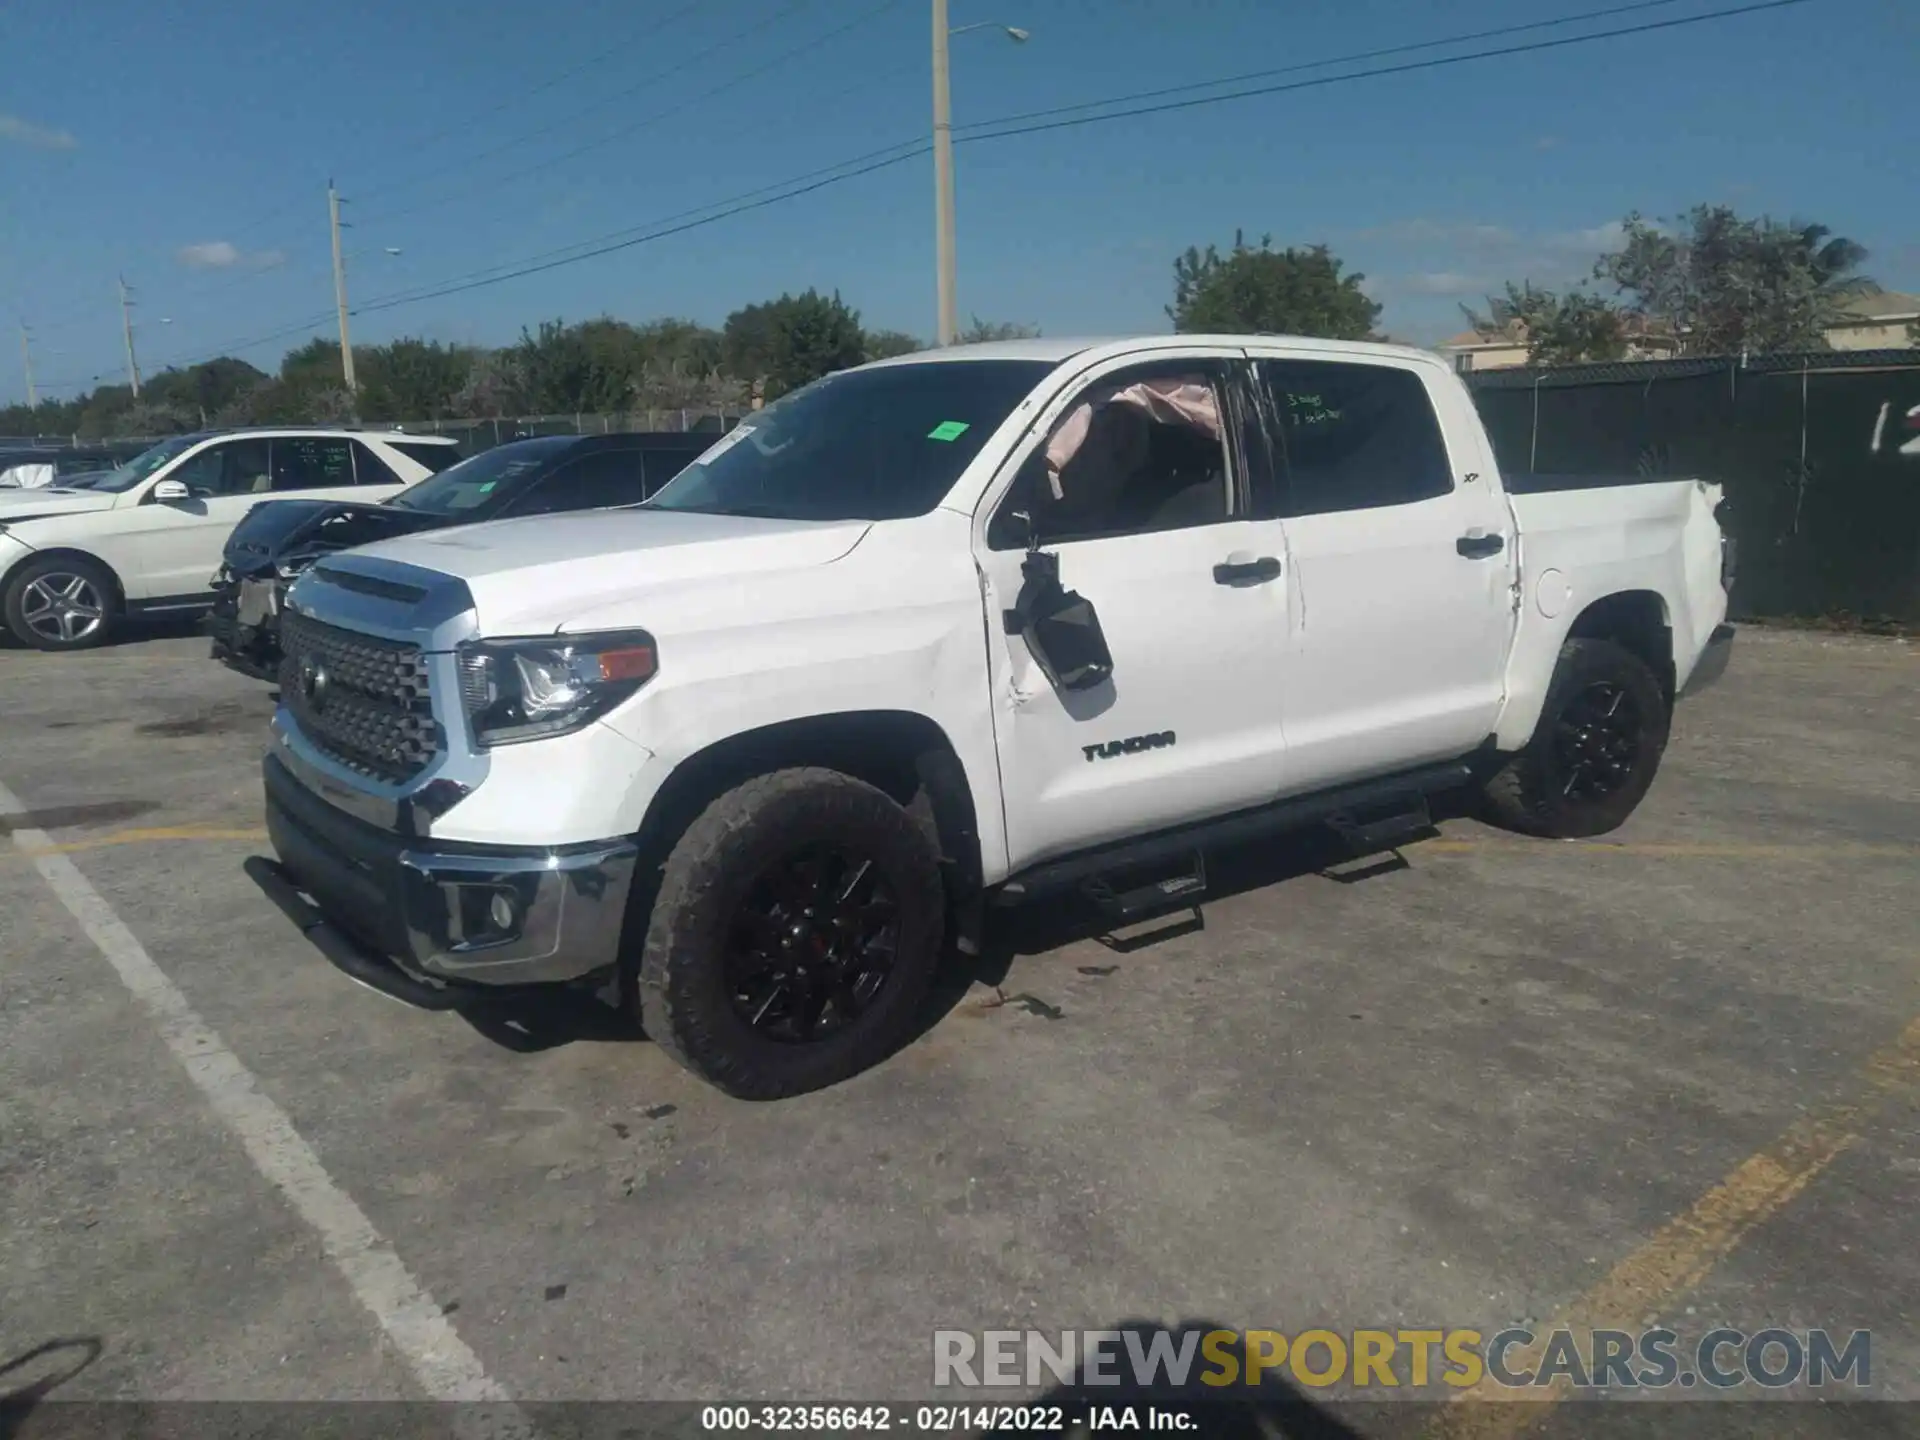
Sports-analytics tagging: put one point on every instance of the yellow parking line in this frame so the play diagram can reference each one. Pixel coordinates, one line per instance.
(1678, 1257)
(144, 837)
(1700, 850)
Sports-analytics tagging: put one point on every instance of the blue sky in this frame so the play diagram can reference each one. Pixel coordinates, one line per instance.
(188, 147)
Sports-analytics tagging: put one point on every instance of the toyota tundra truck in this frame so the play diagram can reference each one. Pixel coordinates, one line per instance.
(980, 625)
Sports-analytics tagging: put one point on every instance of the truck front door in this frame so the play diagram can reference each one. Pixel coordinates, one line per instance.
(1401, 557)
(1133, 490)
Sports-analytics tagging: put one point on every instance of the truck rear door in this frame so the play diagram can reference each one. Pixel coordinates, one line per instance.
(1401, 557)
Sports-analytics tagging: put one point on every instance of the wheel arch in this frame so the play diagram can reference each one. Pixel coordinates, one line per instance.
(1639, 621)
(903, 753)
(66, 552)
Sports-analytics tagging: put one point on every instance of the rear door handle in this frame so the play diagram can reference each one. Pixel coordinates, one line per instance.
(1479, 547)
(1237, 571)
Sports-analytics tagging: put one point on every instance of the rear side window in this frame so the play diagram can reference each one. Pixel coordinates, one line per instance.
(311, 462)
(1352, 437)
(592, 482)
(370, 469)
(435, 457)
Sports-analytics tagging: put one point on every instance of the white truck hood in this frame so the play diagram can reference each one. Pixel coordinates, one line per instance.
(536, 575)
(17, 505)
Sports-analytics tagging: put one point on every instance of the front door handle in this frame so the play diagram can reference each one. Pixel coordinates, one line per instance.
(1479, 547)
(1236, 571)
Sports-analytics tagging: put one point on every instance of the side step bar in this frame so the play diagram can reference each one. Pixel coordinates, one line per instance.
(1395, 807)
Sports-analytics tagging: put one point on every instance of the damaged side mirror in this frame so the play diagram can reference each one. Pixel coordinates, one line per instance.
(1059, 626)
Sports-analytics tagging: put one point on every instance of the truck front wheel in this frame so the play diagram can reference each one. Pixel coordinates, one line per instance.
(794, 934)
(1594, 752)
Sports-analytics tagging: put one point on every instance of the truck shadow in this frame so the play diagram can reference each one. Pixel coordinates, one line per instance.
(1044, 925)
(30, 1377)
(542, 1018)
(1267, 1408)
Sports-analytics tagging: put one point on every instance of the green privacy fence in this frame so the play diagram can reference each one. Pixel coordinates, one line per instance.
(1819, 455)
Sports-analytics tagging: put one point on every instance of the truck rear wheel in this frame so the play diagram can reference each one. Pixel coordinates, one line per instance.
(795, 932)
(1594, 752)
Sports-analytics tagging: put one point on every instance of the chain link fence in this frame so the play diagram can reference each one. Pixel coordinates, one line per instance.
(1819, 455)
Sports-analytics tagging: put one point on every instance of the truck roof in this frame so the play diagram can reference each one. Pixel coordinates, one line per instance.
(1047, 348)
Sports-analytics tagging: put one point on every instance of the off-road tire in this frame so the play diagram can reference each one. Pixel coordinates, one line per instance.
(13, 603)
(1527, 794)
(682, 986)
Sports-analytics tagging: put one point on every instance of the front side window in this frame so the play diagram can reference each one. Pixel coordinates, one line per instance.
(1142, 451)
(312, 462)
(1352, 437)
(239, 467)
(883, 442)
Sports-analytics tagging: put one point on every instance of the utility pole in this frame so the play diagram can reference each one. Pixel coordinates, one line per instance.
(126, 327)
(340, 289)
(943, 177)
(26, 359)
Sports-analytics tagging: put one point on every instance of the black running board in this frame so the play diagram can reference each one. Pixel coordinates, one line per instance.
(1400, 802)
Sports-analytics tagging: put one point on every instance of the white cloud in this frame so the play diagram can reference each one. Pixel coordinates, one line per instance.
(1443, 282)
(1547, 142)
(37, 137)
(225, 255)
(1593, 240)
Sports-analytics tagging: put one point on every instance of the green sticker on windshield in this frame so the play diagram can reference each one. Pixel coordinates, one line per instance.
(948, 430)
(484, 489)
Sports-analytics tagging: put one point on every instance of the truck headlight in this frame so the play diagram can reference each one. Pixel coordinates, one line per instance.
(516, 690)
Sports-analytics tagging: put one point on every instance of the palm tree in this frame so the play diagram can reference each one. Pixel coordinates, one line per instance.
(1833, 259)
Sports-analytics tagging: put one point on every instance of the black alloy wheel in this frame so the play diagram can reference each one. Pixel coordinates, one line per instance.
(812, 945)
(1597, 741)
(794, 933)
(1594, 752)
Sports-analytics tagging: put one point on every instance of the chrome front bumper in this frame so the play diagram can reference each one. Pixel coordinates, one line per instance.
(458, 914)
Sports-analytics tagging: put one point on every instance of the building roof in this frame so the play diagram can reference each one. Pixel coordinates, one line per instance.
(1880, 306)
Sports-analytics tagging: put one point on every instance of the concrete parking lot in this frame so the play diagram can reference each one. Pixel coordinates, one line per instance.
(1673, 1074)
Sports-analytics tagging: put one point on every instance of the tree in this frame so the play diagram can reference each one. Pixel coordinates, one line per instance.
(794, 340)
(1724, 285)
(410, 379)
(1257, 288)
(981, 331)
(885, 344)
(1559, 329)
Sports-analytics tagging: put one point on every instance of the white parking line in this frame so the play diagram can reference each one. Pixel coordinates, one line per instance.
(439, 1359)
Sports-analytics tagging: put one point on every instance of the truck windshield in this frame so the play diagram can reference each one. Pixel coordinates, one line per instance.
(125, 477)
(490, 478)
(879, 443)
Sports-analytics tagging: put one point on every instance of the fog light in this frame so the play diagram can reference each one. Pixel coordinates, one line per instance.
(500, 911)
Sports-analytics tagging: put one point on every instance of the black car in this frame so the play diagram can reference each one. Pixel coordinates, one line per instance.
(279, 539)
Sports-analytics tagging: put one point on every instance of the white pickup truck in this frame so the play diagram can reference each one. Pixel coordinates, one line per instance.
(989, 622)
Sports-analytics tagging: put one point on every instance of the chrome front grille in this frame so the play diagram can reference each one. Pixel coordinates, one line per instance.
(362, 701)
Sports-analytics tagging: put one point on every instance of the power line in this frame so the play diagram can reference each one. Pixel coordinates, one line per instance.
(1354, 58)
(589, 250)
(521, 97)
(492, 182)
(792, 193)
(1002, 127)
(1319, 81)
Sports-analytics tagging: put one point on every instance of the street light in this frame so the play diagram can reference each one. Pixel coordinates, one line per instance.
(943, 161)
